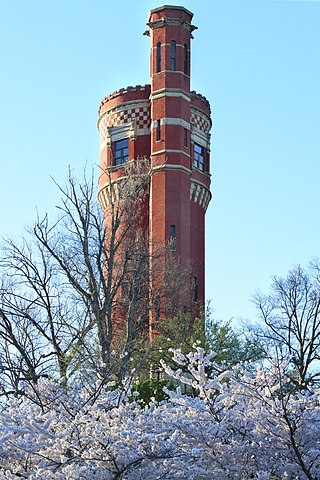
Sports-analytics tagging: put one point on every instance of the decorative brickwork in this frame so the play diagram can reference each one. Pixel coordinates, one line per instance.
(136, 114)
(200, 121)
(200, 194)
(107, 194)
(169, 124)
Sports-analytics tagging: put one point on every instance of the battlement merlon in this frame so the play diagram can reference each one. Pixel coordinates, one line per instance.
(137, 92)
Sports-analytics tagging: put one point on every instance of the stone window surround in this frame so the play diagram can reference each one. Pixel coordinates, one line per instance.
(120, 132)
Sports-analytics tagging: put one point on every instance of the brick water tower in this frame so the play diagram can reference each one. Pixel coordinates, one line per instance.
(170, 125)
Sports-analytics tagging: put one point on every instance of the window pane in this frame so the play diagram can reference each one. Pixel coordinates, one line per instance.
(198, 157)
(121, 151)
(122, 143)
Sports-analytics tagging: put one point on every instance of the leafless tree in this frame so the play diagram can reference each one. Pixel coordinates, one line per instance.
(291, 315)
(75, 293)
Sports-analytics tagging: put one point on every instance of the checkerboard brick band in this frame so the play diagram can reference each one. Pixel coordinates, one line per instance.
(139, 116)
(200, 122)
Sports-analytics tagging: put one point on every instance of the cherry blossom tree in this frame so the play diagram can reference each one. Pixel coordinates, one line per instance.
(242, 424)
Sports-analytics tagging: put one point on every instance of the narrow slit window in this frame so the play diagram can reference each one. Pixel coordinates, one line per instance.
(173, 238)
(158, 131)
(185, 59)
(173, 55)
(158, 57)
(185, 137)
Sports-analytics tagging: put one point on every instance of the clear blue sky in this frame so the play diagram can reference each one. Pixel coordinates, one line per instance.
(257, 61)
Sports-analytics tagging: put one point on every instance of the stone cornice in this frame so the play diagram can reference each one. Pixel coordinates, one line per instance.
(200, 194)
(171, 7)
(161, 152)
(170, 92)
(171, 166)
(165, 21)
(171, 121)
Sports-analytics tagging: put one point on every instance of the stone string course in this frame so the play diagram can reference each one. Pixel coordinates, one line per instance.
(140, 115)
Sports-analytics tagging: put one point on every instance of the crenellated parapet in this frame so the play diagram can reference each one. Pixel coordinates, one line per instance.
(123, 95)
(200, 101)
(127, 109)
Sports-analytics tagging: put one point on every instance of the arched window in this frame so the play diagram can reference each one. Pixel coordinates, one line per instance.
(173, 55)
(158, 57)
(185, 59)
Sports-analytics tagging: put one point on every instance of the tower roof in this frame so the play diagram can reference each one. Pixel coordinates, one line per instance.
(171, 7)
(178, 16)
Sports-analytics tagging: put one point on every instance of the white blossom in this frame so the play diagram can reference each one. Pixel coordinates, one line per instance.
(240, 425)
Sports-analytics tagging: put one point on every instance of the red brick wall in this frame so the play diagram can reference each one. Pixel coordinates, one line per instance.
(179, 192)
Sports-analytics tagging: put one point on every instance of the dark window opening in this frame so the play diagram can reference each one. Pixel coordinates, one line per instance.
(121, 151)
(172, 239)
(157, 303)
(158, 134)
(173, 55)
(158, 57)
(195, 289)
(198, 157)
(185, 59)
(185, 137)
